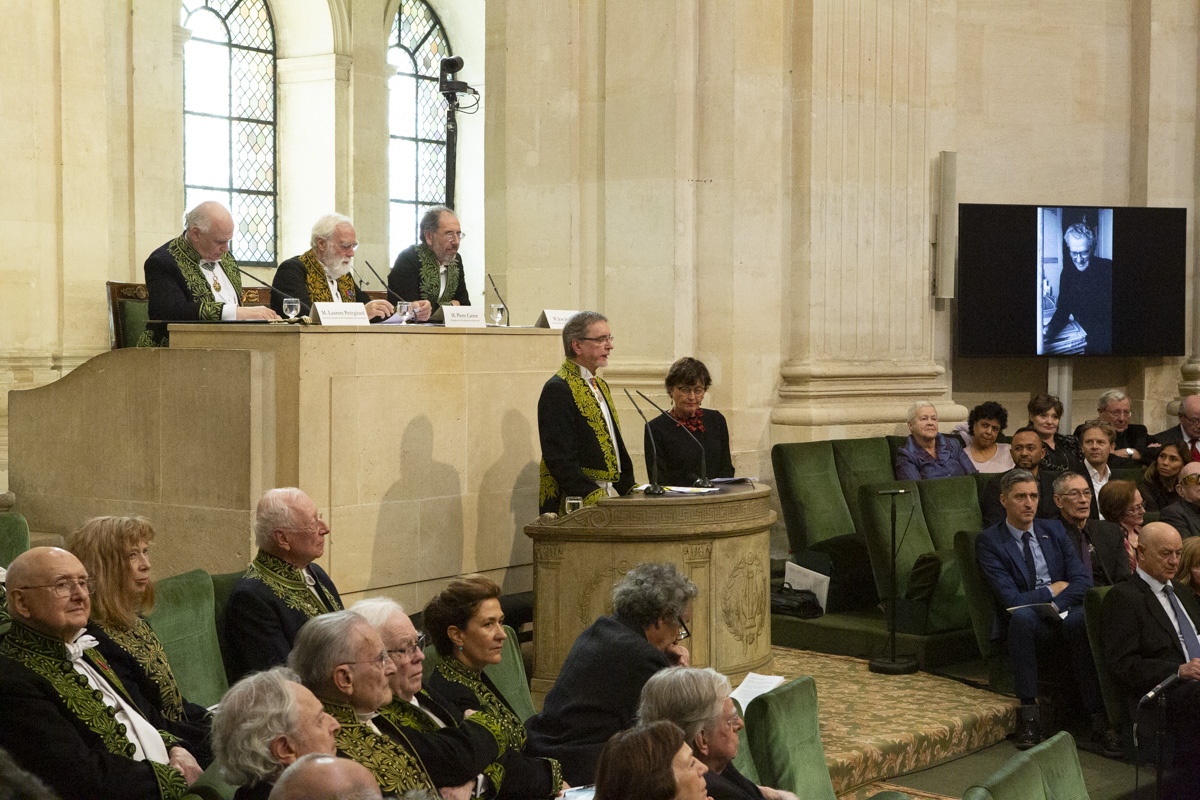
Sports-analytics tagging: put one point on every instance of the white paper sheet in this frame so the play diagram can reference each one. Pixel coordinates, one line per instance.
(753, 685)
(801, 578)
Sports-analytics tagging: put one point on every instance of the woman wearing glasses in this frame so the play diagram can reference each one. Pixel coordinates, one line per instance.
(1121, 502)
(115, 551)
(678, 455)
(1163, 473)
(467, 628)
(598, 687)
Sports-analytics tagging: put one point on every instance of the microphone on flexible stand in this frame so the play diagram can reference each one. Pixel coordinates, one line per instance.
(508, 321)
(1157, 690)
(653, 488)
(702, 482)
(383, 283)
(304, 307)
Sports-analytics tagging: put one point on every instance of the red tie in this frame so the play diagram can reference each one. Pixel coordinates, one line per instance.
(1195, 451)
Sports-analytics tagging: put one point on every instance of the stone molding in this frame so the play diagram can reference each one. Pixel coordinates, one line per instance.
(313, 69)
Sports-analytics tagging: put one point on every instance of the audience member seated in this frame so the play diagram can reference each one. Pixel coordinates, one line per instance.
(1130, 443)
(927, 453)
(601, 680)
(1189, 565)
(282, 589)
(321, 777)
(678, 455)
(1032, 566)
(467, 628)
(650, 763)
(1062, 451)
(66, 715)
(341, 659)
(1150, 634)
(698, 701)
(322, 273)
(1102, 547)
(454, 750)
(265, 722)
(1184, 515)
(115, 551)
(1158, 483)
(1188, 429)
(1097, 462)
(979, 433)
(1027, 452)
(1121, 502)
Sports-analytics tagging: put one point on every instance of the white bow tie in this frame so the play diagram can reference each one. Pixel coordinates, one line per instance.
(84, 641)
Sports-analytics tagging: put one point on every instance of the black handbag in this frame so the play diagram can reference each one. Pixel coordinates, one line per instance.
(800, 603)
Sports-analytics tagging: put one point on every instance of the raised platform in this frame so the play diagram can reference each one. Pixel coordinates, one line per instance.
(863, 634)
(875, 727)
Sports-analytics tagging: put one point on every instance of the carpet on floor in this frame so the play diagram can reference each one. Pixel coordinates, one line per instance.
(875, 727)
(865, 792)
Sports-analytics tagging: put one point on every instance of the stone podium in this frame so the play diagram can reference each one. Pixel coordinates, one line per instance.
(721, 541)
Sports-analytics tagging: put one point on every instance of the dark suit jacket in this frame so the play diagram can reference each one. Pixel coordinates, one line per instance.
(1183, 517)
(993, 511)
(257, 629)
(1171, 434)
(1140, 644)
(1087, 476)
(452, 755)
(1002, 562)
(405, 278)
(1109, 562)
(731, 785)
(292, 281)
(171, 298)
(596, 695)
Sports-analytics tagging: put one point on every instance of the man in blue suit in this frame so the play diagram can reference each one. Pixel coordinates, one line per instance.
(1034, 570)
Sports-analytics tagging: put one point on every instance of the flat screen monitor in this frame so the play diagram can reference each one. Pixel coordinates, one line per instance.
(1070, 280)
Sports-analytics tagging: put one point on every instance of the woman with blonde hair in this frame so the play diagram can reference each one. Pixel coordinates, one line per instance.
(1189, 565)
(116, 553)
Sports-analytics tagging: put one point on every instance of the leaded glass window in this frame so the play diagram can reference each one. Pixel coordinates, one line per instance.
(229, 118)
(417, 154)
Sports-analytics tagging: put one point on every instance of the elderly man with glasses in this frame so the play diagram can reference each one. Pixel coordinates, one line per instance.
(323, 273)
(454, 750)
(430, 273)
(1184, 516)
(1099, 543)
(67, 718)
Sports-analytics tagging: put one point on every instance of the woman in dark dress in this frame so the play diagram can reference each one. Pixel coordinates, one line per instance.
(1062, 452)
(116, 553)
(678, 456)
(467, 628)
(1158, 485)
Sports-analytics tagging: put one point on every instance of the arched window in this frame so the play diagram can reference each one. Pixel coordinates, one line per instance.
(229, 118)
(418, 158)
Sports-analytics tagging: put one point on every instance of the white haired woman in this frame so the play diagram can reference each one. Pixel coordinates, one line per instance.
(927, 453)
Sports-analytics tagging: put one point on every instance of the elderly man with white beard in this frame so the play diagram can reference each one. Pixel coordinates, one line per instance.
(322, 275)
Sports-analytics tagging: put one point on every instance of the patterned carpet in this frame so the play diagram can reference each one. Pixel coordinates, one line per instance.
(865, 792)
(875, 727)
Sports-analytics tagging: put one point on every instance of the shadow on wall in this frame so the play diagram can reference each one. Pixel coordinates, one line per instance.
(511, 484)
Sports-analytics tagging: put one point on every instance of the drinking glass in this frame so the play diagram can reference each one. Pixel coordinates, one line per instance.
(574, 504)
(405, 312)
(291, 307)
(497, 312)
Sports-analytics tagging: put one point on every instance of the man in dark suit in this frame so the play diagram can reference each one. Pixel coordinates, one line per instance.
(583, 454)
(1097, 445)
(1184, 516)
(1188, 429)
(1150, 626)
(1027, 451)
(1131, 440)
(282, 588)
(1100, 544)
(1033, 569)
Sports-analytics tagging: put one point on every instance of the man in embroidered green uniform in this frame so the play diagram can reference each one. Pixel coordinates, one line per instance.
(430, 273)
(194, 276)
(282, 588)
(67, 718)
(583, 454)
(342, 660)
(322, 275)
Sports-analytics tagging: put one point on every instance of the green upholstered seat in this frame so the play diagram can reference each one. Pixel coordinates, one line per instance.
(981, 609)
(222, 585)
(508, 675)
(810, 495)
(950, 505)
(134, 315)
(183, 619)
(859, 462)
(14, 536)
(210, 786)
(1049, 771)
(1114, 701)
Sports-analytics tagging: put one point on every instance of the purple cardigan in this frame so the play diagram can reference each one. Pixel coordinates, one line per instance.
(913, 462)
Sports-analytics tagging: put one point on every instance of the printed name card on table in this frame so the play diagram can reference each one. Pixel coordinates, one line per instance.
(339, 314)
(463, 316)
(554, 319)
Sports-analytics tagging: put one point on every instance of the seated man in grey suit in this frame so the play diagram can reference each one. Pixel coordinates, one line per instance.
(1099, 544)
(1184, 516)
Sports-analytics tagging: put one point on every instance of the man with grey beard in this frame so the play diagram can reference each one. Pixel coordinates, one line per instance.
(323, 274)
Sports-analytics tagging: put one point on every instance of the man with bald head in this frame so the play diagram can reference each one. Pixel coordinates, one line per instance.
(320, 777)
(66, 716)
(195, 277)
(322, 274)
(1150, 634)
(1184, 516)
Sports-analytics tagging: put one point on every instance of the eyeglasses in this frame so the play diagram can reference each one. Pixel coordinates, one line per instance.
(732, 720)
(1189, 420)
(684, 633)
(407, 653)
(348, 247)
(63, 588)
(452, 235)
(381, 660)
(1190, 480)
(691, 391)
(1076, 494)
(607, 339)
(1139, 508)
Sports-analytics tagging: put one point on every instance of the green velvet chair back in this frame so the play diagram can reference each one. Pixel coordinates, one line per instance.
(14, 536)
(1135, 474)
(951, 505)
(912, 535)
(508, 675)
(981, 608)
(785, 740)
(810, 496)
(128, 313)
(859, 462)
(982, 479)
(222, 585)
(1114, 701)
(1049, 771)
(183, 619)
(210, 786)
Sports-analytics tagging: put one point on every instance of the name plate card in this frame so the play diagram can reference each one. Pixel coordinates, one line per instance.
(339, 314)
(463, 316)
(554, 319)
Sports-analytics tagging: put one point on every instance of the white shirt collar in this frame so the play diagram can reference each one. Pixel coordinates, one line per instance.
(1153, 583)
